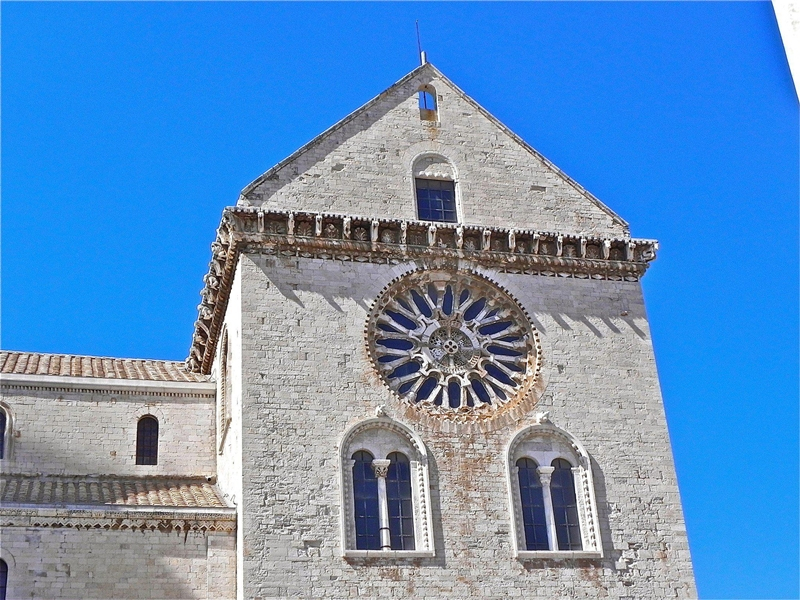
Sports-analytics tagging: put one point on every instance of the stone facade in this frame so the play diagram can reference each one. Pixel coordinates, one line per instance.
(286, 383)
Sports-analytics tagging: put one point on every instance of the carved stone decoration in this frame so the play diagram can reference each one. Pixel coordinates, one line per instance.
(346, 228)
(387, 236)
(360, 234)
(471, 244)
(318, 225)
(570, 251)
(459, 237)
(331, 231)
(381, 467)
(592, 251)
(453, 344)
(304, 229)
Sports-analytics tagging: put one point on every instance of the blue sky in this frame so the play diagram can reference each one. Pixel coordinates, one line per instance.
(127, 127)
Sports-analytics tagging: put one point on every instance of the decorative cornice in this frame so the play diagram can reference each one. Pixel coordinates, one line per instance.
(215, 520)
(364, 239)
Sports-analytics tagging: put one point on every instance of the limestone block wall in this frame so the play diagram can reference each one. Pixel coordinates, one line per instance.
(307, 379)
(364, 168)
(85, 430)
(80, 564)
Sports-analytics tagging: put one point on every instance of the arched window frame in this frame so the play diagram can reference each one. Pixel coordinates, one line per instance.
(428, 109)
(7, 433)
(139, 421)
(381, 437)
(225, 392)
(544, 443)
(433, 166)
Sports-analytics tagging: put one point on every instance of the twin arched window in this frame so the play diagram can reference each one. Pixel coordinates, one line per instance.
(147, 441)
(549, 506)
(385, 491)
(552, 493)
(383, 505)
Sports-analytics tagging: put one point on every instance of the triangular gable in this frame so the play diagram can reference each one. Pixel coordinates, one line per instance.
(363, 165)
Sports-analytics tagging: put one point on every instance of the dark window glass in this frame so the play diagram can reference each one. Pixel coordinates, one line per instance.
(436, 200)
(147, 441)
(2, 432)
(3, 578)
(565, 506)
(398, 495)
(365, 496)
(533, 516)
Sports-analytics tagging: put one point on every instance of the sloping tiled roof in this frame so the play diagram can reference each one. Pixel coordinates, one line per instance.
(68, 365)
(108, 491)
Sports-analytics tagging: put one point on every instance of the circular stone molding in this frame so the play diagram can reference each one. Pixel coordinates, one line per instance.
(453, 344)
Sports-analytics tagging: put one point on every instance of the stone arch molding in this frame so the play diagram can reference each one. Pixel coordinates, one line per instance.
(544, 442)
(8, 432)
(380, 436)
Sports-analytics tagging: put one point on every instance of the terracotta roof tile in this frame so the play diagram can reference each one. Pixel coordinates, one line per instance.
(108, 491)
(65, 365)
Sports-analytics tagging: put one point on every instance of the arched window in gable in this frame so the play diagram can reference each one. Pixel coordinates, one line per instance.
(385, 495)
(435, 188)
(552, 502)
(428, 110)
(147, 441)
(3, 579)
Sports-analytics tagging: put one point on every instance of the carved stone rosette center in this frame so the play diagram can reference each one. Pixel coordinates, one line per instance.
(453, 344)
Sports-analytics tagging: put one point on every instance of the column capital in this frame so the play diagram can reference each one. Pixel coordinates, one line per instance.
(545, 473)
(381, 467)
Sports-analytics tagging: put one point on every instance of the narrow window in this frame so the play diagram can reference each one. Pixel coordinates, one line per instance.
(436, 200)
(565, 506)
(3, 420)
(533, 514)
(398, 496)
(3, 578)
(365, 496)
(427, 104)
(147, 441)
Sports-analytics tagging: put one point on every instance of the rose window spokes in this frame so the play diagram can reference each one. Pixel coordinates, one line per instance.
(452, 343)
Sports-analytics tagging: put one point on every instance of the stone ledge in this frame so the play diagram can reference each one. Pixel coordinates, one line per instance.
(557, 554)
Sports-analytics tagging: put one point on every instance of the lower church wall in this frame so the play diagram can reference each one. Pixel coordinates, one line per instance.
(81, 564)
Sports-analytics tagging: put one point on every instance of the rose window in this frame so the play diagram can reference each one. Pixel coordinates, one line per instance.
(452, 343)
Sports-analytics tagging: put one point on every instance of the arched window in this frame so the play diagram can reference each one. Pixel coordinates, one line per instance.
(435, 187)
(400, 504)
(3, 579)
(552, 501)
(147, 441)
(565, 506)
(532, 504)
(385, 506)
(3, 421)
(428, 111)
(365, 498)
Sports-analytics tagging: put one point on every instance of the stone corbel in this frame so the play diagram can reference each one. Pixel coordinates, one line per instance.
(261, 221)
(290, 228)
(583, 247)
(459, 237)
(606, 249)
(403, 233)
(512, 240)
(346, 228)
(373, 232)
(559, 245)
(535, 243)
(487, 239)
(630, 249)
(431, 235)
(318, 225)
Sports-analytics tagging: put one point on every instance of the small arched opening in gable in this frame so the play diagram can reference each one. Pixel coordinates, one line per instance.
(428, 109)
